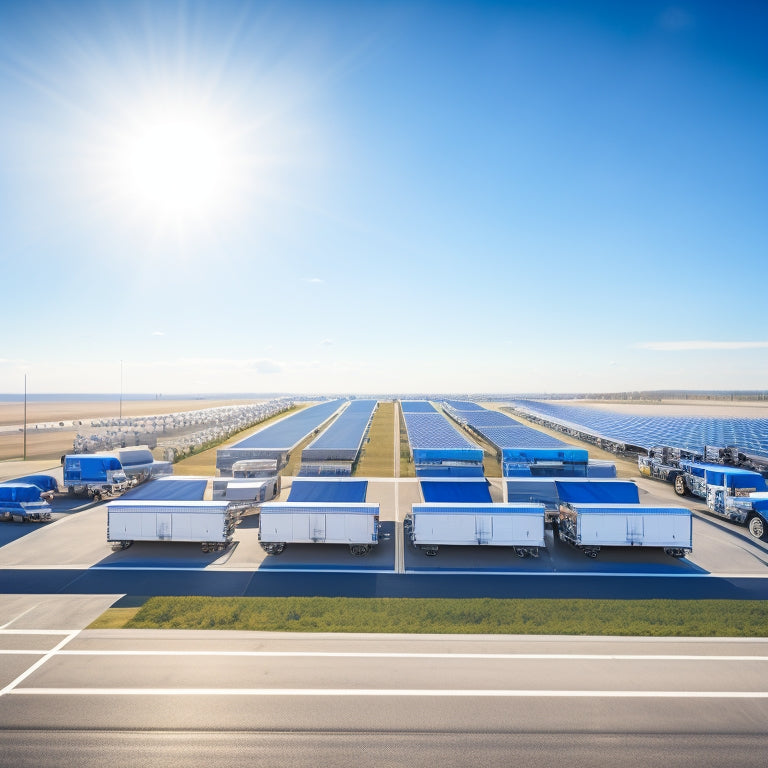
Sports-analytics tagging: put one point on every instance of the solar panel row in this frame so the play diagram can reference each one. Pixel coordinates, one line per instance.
(343, 438)
(690, 432)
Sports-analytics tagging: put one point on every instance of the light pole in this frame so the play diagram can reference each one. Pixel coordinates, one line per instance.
(25, 417)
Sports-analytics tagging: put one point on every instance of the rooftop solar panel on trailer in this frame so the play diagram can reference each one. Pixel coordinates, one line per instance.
(455, 491)
(328, 490)
(168, 489)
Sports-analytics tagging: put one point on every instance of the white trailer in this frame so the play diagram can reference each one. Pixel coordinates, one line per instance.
(211, 523)
(520, 526)
(296, 522)
(592, 526)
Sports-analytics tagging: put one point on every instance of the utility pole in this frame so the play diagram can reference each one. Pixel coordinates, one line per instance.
(25, 417)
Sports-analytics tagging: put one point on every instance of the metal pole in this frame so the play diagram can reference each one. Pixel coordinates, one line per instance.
(25, 417)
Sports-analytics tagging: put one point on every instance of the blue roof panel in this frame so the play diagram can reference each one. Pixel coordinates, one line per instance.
(169, 489)
(352, 491)
(461, 491)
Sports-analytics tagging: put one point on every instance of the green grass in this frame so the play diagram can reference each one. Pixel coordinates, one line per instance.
(377, 455)
(645, 618)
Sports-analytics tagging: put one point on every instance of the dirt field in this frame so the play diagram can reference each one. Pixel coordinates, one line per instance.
(48, 444)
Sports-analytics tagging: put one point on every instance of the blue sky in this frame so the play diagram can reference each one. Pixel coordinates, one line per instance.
(383, 197)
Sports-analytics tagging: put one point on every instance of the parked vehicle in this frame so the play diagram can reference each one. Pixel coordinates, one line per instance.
(520, 526)
(211, 523)
(22, 502)
(47, 485)
(589, 527)
(295, 522)
(94, 475)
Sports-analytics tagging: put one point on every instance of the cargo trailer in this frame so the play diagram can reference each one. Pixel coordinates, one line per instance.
(23, 502)
(520, 526)
(295, 522)
(95, 475)
(589, 527)
(209, 523)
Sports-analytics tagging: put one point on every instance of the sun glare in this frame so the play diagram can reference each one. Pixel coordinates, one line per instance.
(176, 164)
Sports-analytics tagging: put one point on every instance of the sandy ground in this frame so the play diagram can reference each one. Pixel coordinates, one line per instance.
(53, 444)
(709, 408)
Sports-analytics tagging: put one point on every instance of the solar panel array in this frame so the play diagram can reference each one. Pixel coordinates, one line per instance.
(287, 432)
(344, 437)
(690, 432)
(169, 489)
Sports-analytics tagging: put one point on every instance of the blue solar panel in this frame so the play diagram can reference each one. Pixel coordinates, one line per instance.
(328, 490)
(169, 489)
(417, 406)
(343, 438)
(690, 432)
(462, 491)
(287, 432)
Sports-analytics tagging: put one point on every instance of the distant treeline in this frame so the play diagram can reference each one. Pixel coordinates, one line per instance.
(673, 394)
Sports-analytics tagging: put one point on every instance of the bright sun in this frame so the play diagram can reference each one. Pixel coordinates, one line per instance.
(176, 164)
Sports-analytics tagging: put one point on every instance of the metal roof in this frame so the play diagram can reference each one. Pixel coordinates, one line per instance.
(328, 490)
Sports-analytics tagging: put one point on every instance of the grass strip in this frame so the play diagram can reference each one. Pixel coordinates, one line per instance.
(644, 618)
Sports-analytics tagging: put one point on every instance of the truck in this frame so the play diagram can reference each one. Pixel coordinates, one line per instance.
(295, 522)
(520, 526)
(665, 462)
(589, 527)
(94, 475)
(730, 492)
(23, 502)
(210, 523)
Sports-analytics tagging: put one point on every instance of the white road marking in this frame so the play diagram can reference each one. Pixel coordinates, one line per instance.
(23, 613)
(395, 692)
(39, 663)
(385, 655)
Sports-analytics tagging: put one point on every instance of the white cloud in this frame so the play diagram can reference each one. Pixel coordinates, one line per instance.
(327, 343)
(684, 346)
(158, 333)
(315, 280)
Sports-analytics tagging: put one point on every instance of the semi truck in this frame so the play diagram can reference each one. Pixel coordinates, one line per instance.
(294, 522)
(664, 462)
(94, 475)
(520, 526)
(23, 502)
(589, 527)
(209, 523)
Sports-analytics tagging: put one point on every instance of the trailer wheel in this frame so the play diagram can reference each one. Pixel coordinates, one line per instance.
(756, 526)
(679, 484)
(358, 550)
(97, 496)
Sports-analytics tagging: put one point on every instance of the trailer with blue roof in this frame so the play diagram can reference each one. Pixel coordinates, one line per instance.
(434, 524)
(591, 526)
(95, 475)
(23, 502)
(172, 509)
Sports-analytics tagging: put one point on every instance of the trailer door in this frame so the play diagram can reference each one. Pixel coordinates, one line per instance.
(316, 526)
(164, 525)
(635, 529)
(336, 527)
(483, 529)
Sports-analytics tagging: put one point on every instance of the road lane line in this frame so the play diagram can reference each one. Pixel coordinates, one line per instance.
(405, 692)
(23, 613)
(39, 663)
(384, 655)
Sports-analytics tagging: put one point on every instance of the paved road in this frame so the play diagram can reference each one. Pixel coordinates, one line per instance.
(171, 697)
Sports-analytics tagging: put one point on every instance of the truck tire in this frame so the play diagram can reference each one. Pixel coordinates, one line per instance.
(756, 526)
(679, 485)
